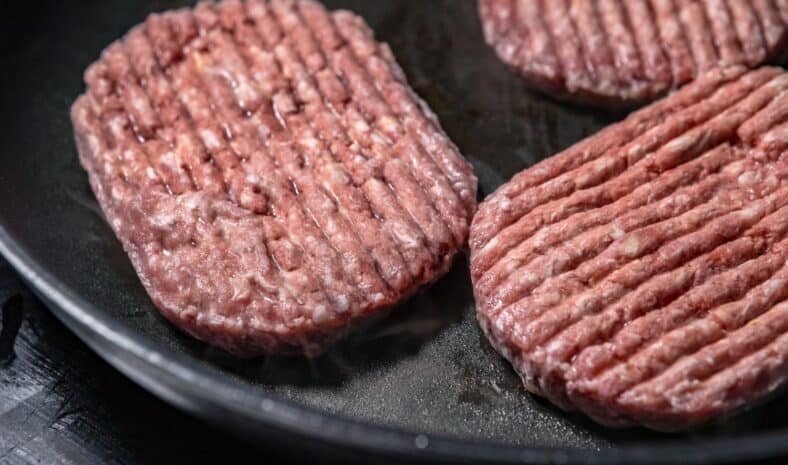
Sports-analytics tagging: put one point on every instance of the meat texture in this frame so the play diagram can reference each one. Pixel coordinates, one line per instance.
(641, 276)
(269, 171)
(624, 52)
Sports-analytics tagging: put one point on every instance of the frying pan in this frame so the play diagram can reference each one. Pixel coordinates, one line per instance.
(423, 384)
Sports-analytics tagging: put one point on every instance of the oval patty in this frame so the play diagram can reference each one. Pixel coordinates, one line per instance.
(270, 173)
(624, 52)
(641, 276)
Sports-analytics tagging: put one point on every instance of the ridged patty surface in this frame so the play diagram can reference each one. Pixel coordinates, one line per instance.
(269, 171)
(622, 52)
(641, 275)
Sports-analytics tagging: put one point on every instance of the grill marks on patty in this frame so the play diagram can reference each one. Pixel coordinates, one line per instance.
(289, 117)
(601, 272)
(627, 51)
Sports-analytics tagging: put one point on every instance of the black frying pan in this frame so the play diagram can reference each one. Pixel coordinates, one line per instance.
(424, 384)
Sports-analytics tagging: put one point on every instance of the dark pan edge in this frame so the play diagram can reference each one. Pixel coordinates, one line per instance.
(105, 336)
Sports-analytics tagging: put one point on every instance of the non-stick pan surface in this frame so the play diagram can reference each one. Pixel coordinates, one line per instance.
(424, 383)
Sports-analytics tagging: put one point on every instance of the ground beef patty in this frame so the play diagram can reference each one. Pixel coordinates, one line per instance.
(621, 52)
(271, 175)
(640, 276)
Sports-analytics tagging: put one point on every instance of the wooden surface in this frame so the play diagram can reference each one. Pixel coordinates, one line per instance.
(62, 404)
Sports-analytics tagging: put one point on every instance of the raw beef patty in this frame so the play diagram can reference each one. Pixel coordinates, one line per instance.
(269, 172)
(621, 52)
(640, 276)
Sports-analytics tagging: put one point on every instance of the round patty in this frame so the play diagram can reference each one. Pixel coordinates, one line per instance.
(269, 172)
(622, 52)
(641, 276)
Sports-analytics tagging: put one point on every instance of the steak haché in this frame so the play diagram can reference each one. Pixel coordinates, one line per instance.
(270, 173)
(624, 52)
(641, 276)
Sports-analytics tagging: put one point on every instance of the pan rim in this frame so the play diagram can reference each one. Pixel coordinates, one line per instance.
(199, 384)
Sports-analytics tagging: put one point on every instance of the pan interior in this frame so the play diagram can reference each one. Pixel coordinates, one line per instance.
(427, 368)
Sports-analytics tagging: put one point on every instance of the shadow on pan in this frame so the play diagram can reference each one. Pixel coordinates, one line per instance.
(427, 369)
